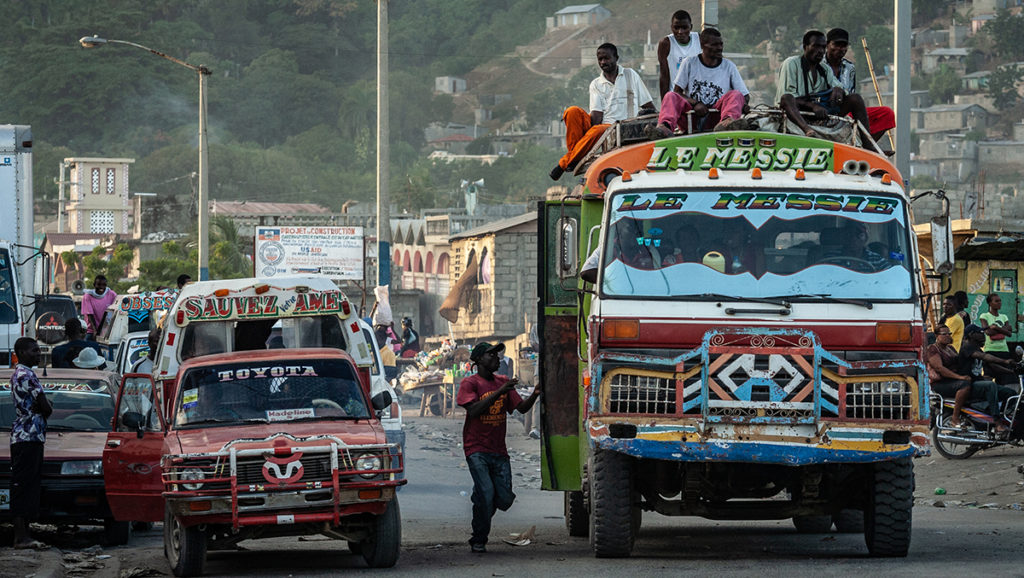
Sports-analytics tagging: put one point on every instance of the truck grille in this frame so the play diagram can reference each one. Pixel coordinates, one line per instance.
(886, 400)
(641, 394)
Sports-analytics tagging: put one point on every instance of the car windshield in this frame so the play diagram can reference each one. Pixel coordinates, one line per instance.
(760, 245)
(210, 337)
(78, 404)
(8, 303)
(271, 391)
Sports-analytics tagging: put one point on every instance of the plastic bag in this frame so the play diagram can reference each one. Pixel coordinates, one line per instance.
(382, 314)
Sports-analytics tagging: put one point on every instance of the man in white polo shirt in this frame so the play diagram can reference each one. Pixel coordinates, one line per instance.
(619, 93)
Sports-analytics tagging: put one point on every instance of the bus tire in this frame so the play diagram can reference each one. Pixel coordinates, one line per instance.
(890, 504)
(611, 497)
(577, 520)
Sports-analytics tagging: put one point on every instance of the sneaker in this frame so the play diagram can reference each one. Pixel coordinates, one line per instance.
(657, 131)
(535, 434)
(556, 173)
(478, 548)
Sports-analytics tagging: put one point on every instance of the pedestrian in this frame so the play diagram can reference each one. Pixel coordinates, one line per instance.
(75, 334)
(410, 339)
(28, 434)
(145, 364)
(94, 305)
(183, 279)
(87, 358)
(488, 399)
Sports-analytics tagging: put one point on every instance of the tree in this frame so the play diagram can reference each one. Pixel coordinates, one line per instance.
(944, 84)
(113, 265)
(1007, 33)
(163, 271)
(1002, 86)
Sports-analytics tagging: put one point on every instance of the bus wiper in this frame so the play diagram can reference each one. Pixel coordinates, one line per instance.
(830, 299)
(780, 301)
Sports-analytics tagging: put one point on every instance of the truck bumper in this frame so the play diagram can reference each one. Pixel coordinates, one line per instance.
(791, 446)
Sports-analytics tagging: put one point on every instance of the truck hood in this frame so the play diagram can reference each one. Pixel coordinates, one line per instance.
(215, 439)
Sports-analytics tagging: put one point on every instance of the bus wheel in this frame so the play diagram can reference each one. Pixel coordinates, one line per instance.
(611, 496)
(887, 517)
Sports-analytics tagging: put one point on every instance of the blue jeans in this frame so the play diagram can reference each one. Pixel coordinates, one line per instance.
(492, 490)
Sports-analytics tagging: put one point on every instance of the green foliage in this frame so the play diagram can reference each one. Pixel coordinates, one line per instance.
(1002, 86)
(925, 183)
(163, 271)
(113, 266)
(1007, 33)
(943, 85)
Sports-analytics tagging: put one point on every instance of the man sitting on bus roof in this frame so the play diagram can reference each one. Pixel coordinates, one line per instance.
(880, 118)
(805, 84)
(617, 94)
(704, 82)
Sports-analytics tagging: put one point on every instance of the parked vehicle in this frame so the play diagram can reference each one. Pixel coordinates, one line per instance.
(17, 263)
(72, 482)
(127, 323)
(254, 444)
(752, 346)
(391, 416)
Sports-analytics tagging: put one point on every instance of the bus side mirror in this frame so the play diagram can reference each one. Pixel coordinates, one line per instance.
(942, 245)
(568, 248)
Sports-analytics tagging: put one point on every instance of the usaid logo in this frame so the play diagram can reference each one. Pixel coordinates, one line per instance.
(283, 470)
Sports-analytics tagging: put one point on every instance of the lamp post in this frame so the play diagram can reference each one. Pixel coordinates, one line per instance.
(204, 208)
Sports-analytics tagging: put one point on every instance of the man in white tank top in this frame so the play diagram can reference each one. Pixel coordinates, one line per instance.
(675, 48)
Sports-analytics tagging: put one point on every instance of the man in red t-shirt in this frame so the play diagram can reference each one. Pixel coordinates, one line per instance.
(488, 399)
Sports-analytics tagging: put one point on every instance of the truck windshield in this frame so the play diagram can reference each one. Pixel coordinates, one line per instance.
(8, 304)
(270, 391)
(757, 244)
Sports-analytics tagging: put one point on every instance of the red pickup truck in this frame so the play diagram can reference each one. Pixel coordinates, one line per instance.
(256, 444)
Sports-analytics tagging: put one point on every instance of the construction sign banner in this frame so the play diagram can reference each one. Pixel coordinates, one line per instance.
(336, 252)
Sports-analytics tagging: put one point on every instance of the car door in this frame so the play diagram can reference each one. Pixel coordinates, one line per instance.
(131, 458)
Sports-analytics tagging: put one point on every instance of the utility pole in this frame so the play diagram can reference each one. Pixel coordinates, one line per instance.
(901, 91)
(383, 152)
(708, 14)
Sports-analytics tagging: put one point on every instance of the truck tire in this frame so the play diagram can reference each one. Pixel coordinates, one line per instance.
(611, 507)
(577, 520)
(116, 533)
(185, 547)
(887, 517)
(849, 521)
(812, 524)
(382, 547)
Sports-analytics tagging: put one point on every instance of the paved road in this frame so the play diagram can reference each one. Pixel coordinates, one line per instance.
(436, 512)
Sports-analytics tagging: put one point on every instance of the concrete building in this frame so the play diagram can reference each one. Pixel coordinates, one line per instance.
(248, 215)
(494, 280)
(954, 58)
(578, 16)
(98, 200)
(949, 117)
(449, 84)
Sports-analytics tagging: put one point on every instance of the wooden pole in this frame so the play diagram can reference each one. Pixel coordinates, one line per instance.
(874, 80)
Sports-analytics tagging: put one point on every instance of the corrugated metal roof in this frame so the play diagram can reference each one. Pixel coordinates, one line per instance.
(238, 208)
(496, 226)
(72, 238)
(577, 8)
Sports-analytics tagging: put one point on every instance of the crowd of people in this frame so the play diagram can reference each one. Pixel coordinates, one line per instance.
(695, 79)
(971, 362)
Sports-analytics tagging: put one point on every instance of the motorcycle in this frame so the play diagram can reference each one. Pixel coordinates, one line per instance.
(980, 434)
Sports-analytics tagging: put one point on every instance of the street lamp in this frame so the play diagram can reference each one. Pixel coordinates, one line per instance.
(204, 208)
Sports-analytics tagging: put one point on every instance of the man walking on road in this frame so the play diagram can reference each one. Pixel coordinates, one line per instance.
(488, 399)
(28, 434)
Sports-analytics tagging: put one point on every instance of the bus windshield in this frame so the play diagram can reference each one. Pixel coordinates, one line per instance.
(757, 244)
(8, 302)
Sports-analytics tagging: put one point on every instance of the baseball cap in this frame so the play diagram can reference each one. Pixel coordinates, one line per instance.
(972, 328)
(838, 35)
(484, 347)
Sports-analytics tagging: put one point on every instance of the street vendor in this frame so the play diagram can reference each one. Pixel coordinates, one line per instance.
(488, 399)
(410, 339)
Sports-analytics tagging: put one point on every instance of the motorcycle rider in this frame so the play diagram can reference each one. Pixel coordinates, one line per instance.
(942, 364)
(972, 362)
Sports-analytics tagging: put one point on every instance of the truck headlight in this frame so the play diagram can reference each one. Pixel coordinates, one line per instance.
(192, 474)
(368, 463)
(82, 468)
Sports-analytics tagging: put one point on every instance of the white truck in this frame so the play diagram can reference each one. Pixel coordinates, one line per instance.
(17, 263)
